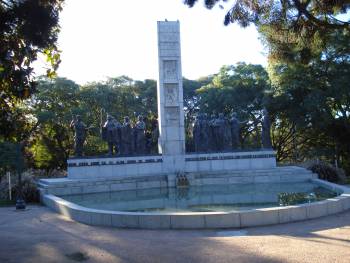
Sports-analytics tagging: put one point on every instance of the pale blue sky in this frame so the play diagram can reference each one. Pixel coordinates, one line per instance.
(109, 38)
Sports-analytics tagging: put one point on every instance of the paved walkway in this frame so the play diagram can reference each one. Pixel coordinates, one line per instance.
(39, 235)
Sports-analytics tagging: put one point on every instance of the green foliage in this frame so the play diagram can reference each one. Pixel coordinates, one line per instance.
(286, 199)
(293, 29)
(242, 88)
(11, 157)
(26, 28)
(325, 172)
(236, 88)
(58, 100)
(314, 100)
(53, 106)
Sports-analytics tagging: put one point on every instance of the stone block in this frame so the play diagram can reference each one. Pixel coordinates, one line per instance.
(96, 188)
(345, 202)
(258, 163)
(244, 164)
(204, 166)
(292, 214)
(123, 186)
(131, 169)
(191, 167)
(259, 217)
(209, 181)
(118, 170)
(77, 190)
(241, 179)
(334, 206)
(227, 220)
(125, 220)
(150, 169)
(84, 216)
(317, 209)
(105, 171)
(92, 171)
(189, 221)
(154, 221)
(294, 178)
(146, 184)
(217, 165)
(75, 172)
(101, 219)
(230, 164)
(263, 179)
(61, 191)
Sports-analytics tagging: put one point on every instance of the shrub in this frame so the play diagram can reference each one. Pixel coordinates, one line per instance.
(29, 188)
(327, 172)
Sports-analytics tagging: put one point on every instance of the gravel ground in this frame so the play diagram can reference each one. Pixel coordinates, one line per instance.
(40, 235)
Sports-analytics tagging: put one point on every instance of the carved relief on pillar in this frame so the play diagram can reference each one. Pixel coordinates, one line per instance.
(171, 93)
(170, 71)
(172, 116)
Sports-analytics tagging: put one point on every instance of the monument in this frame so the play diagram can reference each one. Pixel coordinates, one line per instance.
(136, 162)
(173, 167)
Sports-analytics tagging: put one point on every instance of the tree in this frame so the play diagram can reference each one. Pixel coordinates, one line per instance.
(27, 28)
(53, 106)
(243, 88)
(314, 99)
(293, 29)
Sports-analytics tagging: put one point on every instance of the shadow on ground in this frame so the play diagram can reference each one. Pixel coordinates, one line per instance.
(39, 235)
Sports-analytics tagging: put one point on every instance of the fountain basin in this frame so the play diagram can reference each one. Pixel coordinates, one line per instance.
(201, 220)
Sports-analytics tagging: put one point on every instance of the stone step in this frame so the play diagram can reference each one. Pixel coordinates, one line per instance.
(255, 173)
(250, 179)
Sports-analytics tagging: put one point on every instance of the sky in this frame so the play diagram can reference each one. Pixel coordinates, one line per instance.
(110, 38)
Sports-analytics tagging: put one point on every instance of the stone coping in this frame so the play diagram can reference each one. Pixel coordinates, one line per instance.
(204, 220)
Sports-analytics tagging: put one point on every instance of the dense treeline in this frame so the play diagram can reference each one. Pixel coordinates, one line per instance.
(310, 115)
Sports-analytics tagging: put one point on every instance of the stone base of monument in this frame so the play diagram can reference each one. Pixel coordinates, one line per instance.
(94, 175)
(67, 186)
(91, 175)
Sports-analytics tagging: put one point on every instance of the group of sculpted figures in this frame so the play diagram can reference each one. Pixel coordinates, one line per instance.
(214, 134)
(122, 139)
(222, 134)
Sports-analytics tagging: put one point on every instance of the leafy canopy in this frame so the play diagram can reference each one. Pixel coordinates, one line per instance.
(27, 28)
(293, 29)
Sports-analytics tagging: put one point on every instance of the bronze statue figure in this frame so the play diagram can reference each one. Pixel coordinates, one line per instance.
(265, 134)
(79, 135)
(140, 136)
(111, 134)
(126, 144)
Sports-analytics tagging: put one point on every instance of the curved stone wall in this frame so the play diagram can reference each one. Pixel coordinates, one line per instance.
(202, 220)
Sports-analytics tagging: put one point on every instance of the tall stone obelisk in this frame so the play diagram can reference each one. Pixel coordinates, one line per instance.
(171, 142)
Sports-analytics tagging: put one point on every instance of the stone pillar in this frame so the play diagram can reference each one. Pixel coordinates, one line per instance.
(170, 97)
